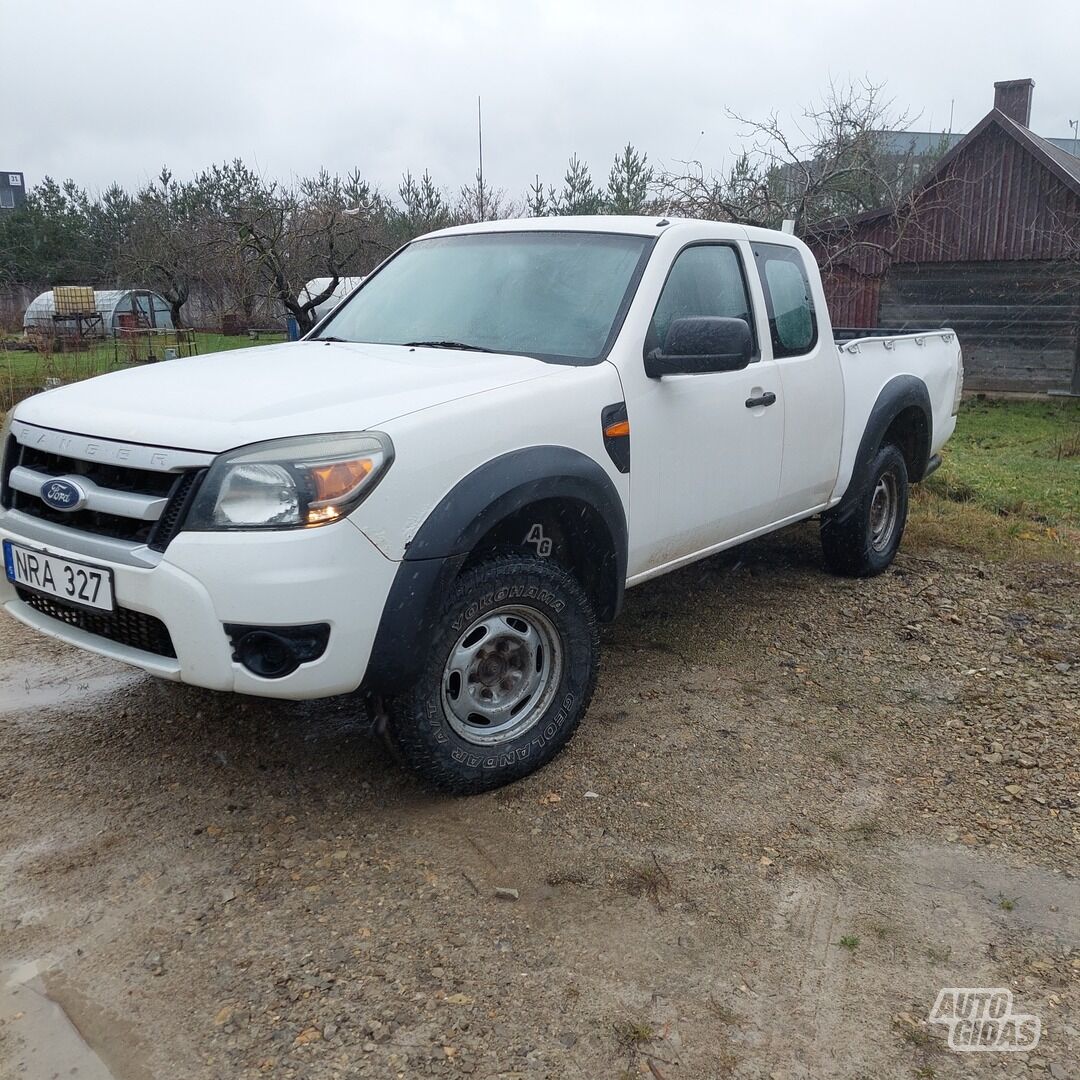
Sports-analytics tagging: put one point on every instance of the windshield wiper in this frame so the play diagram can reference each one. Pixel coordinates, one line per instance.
(448, 345)
(344, 341)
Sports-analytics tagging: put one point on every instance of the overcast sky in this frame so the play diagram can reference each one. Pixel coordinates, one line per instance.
(114, 90)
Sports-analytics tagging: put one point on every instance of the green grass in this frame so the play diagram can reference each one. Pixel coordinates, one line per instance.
(1009, 485)
(102, 356)
(1016, 458)
(22, 373)
(634, 1031)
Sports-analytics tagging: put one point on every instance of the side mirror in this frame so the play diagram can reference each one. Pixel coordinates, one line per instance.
(702, 344)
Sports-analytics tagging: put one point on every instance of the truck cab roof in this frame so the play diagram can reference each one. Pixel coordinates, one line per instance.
(629, 225)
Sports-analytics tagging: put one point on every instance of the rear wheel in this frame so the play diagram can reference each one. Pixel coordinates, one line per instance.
(507, 678)
(863, 538)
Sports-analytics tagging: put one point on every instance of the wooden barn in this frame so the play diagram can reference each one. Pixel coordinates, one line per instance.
(988, 243)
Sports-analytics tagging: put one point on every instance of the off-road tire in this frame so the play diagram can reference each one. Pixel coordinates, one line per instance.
(853, 539)
(421, 726)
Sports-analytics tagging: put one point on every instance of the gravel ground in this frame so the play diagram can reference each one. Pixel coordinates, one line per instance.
(798, 807)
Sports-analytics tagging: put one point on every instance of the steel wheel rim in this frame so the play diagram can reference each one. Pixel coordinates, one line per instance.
(884, 511)
(501, 675)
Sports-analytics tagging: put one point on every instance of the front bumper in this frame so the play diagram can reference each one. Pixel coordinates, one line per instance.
(332, 574)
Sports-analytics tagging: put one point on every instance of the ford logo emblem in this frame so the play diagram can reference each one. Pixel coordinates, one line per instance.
(63, 494)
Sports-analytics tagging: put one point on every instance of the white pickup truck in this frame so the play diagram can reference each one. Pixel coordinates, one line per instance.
(438, 494)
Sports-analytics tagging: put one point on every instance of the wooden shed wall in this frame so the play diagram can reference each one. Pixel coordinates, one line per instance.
(852, 297)
(1018, 322)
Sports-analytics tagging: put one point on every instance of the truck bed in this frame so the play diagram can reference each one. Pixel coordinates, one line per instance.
(877, 356)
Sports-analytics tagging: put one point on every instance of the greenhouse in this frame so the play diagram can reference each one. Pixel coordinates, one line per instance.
(71, 310)
(312, 289)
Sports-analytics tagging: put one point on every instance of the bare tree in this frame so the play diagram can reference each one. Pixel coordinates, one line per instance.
(295, 233)
(830, 162)
(165, 249)
(742, 194)
(227, 279)
(479, 201)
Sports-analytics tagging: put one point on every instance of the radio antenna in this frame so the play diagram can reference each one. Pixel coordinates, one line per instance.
(480, 147)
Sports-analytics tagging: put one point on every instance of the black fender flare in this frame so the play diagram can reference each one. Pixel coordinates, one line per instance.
(476, 504)
(899, 393)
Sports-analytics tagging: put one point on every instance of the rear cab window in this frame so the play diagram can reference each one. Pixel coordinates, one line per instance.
(788, 300)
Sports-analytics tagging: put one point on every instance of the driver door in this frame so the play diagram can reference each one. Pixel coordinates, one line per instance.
(718, 446)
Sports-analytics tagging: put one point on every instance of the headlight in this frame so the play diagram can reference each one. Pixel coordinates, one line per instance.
(291, 483)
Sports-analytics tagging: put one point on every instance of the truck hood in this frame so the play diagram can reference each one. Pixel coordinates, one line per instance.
(222, 400)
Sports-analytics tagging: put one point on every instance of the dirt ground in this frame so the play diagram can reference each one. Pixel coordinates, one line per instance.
(798, 808)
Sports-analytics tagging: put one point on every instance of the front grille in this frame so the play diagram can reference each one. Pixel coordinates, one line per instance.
(178, 488)
(124, 626)
(116, 477)
(87, 521)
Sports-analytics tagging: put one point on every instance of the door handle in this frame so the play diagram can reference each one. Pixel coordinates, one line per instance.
(768, 398)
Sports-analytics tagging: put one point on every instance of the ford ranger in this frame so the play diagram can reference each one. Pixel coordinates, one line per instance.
(436, 496)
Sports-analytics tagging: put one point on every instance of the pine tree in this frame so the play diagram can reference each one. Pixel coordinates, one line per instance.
(536, 201)
(478, 201)
(628, 182)
(425, 207)
(579, 194)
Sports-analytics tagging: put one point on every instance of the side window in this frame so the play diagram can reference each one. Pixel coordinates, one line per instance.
(707, 279)
(792, 320)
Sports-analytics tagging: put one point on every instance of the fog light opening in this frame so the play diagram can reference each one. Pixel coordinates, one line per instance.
(274, 652)
(266, 654)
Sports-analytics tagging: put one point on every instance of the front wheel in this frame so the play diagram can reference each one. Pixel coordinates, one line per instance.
(863, 538)
(507, 678)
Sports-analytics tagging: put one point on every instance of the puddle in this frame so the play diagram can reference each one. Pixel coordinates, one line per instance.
(107, 1036)
(970, 887)
(41, 1038)
(31, 687)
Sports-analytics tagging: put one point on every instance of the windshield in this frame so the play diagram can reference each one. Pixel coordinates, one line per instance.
(554, 295)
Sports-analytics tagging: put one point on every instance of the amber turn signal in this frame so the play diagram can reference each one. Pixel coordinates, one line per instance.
(339, 479)
(620, 429)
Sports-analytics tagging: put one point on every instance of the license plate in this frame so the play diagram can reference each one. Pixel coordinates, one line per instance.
(73, 582)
